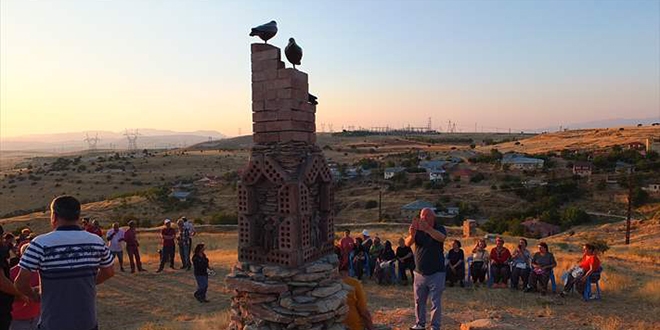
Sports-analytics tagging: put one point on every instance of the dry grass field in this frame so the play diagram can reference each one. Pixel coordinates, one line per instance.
(629, 284)
(585, 139)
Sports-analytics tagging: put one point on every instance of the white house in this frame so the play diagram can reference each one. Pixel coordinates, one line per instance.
(390, 172)
(437, 175)
(653, 144)
(582, 169)
(432, 165)
(653, 188)
(520, 162)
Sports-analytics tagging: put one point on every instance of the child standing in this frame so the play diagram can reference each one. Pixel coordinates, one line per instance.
(201, 267)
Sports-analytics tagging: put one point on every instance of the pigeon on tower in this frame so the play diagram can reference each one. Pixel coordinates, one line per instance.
(293, 52)
(265, 31)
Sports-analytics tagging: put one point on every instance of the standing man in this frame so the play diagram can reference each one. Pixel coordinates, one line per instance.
(188, 225)
(132, 247)
(168, 234)
(115, 236)
(95, 228)
(184, 241)
(428, 236)
(346, 245)
(71, 263)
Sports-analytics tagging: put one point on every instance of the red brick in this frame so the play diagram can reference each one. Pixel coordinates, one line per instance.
(306, 106)
(295, 136)
(295, 94)
(285, 114)
(264, 75)
(272, 137)
(263, 116)
(258, 96)
(272, 64)
(271, 94)
(259, 86)
(268, 54)
(260, 47)
(258, 105)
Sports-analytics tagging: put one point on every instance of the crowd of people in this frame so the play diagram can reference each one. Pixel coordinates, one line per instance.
(49, 281)
(422, 254)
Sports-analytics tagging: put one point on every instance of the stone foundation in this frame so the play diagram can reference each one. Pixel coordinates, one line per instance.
(267, 297)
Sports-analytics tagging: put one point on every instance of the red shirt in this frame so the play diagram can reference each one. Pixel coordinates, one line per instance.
(168, 232)
(589, 260)
(130, 238)
(21, 310)
(346, 244)
(501, 257)
(96, 231)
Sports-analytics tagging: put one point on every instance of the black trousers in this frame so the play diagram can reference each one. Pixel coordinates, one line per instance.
(539, 281)
(456, 275)
(478, 272)
(167, 256)
(519, 274)
(500, 273)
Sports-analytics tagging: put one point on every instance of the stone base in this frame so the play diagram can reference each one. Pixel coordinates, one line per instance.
(267, 297)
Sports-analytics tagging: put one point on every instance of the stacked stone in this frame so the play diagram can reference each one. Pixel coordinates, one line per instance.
(311, 297)
(280, 100)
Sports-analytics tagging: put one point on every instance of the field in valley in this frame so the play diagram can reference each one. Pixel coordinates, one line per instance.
(630, 290)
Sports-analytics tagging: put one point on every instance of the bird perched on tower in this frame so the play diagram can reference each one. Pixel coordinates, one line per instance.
(265, 31)
(293, 52)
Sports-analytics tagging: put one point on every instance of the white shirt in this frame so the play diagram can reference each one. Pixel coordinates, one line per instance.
(115, 244)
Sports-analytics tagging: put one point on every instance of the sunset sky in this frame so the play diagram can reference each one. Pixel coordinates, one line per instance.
(184, 65)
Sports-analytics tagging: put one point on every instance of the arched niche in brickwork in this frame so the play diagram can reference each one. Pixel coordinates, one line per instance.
(314, 168)
(273, 171)
(253, 170)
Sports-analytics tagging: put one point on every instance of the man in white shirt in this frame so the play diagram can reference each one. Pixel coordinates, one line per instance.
(115, 236)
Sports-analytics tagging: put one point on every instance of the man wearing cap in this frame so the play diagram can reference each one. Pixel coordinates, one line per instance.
(427, 235)
(168, 234)
(367, 242)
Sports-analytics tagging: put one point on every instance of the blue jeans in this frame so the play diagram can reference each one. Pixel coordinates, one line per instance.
(184, 253)
(202, 286)
(425, 285)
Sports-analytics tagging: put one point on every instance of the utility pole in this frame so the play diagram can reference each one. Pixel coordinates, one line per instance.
(630, 193)
(380, 205)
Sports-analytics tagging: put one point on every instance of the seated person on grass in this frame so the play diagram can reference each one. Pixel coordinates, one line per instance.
(499, 263)
(521, 263)
(359, 256)
(542, 263)
(578, 274)
(358, 317)
(479, 266)
(405, 261)
(385, 265)
(456, 269)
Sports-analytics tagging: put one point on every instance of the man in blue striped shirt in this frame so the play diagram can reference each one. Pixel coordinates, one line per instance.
(71, 263)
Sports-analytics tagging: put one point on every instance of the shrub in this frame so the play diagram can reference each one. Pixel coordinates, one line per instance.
(371, 204)
(477, 178)
(600, 245)
(224, 219)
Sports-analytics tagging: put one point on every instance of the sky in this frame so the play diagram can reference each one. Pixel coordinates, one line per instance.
(184, 65)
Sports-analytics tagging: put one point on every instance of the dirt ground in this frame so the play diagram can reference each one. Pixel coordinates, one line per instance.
(630, 292)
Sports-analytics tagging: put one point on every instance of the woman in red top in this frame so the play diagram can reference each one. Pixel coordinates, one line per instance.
(578, 275)
(25, 315)
(499, 263)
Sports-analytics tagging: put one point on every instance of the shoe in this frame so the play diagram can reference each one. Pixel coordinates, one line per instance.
(562, 294)
(418, 327)
(204, 300)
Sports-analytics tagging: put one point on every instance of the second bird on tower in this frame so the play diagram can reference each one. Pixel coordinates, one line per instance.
(293, 52)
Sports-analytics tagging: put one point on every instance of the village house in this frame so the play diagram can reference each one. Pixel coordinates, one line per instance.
(582, 169)
(464, 173)
(623, 168)
(639, 146)
(653, 188)
(432, 165)
(181, 195)
(390, 172)
(411, 210)
(537, 228)
(653, 144)
(520, 162)
(437, 175)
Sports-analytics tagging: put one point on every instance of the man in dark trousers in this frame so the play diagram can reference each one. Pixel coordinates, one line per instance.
(168, 234)
(427, 236)
(71, 263)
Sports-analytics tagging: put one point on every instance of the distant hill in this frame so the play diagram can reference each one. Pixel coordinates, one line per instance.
(614, 122)
(583, 139)
(74, 141)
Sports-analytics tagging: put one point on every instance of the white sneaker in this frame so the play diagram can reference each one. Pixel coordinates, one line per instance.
(418, 327)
